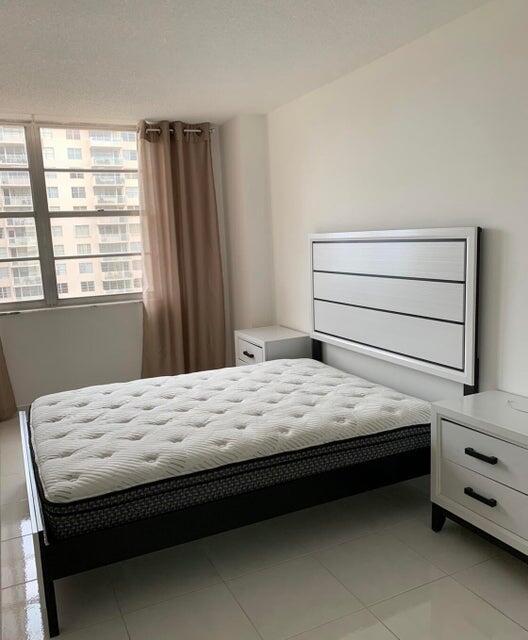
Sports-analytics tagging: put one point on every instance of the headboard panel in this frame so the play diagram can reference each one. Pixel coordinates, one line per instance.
(406, 296)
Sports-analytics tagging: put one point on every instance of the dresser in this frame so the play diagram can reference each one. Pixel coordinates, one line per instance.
(270, 343)
(479, 464)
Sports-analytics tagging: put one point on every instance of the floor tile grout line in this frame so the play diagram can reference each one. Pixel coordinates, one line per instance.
(119, 609)
(340, 582)
(246, 614)
(420, 586)
(493, 606)
(320, 626)
(383, 623)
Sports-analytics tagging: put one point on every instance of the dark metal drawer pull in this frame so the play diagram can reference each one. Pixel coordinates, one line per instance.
(491, 502)
(480, 456)
(248, 355)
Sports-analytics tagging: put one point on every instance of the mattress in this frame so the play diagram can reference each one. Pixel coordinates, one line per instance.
(108, 454)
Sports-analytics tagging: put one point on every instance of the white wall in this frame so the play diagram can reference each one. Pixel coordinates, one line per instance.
(57, 349)
(244, 149)
(434, 134)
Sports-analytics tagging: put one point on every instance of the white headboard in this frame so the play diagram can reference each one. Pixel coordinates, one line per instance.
(405, 296)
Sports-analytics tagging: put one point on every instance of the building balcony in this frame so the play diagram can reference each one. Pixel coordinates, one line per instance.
(18, 179)
(100, 199)
(110, 179)
(13, 159)
(17, 201)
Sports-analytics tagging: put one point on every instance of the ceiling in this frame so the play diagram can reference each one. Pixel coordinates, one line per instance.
(122, 60)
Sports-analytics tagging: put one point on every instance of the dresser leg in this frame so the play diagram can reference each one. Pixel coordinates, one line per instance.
(438, 517)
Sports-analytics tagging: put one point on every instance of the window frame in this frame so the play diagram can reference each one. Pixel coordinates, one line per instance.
(44, 218)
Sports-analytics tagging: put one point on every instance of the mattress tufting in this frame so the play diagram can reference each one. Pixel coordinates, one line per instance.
(108, 438)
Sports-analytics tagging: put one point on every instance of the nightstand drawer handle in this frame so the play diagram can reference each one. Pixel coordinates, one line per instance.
(491, 502)
(248, 355)
(480, 456)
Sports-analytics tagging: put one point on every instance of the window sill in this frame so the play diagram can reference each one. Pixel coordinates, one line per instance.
(88, 305)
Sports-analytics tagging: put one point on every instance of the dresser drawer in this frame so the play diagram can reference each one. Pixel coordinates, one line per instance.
(500, 504)
(249, 353)
(489, 456)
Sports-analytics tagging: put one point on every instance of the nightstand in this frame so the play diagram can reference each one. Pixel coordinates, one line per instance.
(479, 465)
(270, 343)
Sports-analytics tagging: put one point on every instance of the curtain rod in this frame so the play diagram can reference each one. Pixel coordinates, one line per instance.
(157, 130)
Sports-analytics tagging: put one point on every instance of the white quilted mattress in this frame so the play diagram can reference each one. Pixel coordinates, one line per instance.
(101, 439)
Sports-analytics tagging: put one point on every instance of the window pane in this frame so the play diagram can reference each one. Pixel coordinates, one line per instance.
(96, 234)
(20, 281)
(15, 191)
(18, 238)
(107, 191)
(98, 276)
(89, 148)
(13, 151)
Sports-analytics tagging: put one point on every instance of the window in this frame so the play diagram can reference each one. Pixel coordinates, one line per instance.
(73, 134)
(90, 211)
(84, 249)
(73, 153)
(129, 154)
(87, 285)
(85, 267)
(78, 192)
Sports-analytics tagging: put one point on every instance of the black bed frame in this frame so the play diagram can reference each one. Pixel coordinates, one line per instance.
(60, 558)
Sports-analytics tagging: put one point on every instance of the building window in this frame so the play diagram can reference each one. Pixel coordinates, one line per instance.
(84, 249)
(78, 192)
(78, 164)
(85, 267)
(130, 155)
(48, 153)
(82, 230)
(87, 285)
(74, 153)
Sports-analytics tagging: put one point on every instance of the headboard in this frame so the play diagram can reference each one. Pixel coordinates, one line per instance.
(405, 296)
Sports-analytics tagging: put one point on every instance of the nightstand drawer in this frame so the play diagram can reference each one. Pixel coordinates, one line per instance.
(491, 457)
(249, 353)
(504, 506)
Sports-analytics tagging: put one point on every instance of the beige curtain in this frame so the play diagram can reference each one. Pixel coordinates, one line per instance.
(7, 398)
(183, 298)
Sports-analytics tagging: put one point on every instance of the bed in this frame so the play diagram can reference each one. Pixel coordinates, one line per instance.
(118, 470)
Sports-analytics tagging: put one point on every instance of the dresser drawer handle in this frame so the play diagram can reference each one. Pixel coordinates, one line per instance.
(248, 355)
(491, 502)
(480, 456)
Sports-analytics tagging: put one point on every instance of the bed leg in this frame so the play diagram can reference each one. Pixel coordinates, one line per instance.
(438, 517)
(47, 590)
(51, 608)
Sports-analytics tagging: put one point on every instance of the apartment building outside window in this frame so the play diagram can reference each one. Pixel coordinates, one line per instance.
(44, 172)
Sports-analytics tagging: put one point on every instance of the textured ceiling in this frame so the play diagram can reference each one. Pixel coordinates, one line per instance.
(121, 60)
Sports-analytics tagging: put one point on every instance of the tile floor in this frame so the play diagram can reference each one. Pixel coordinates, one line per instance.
(363, 568)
